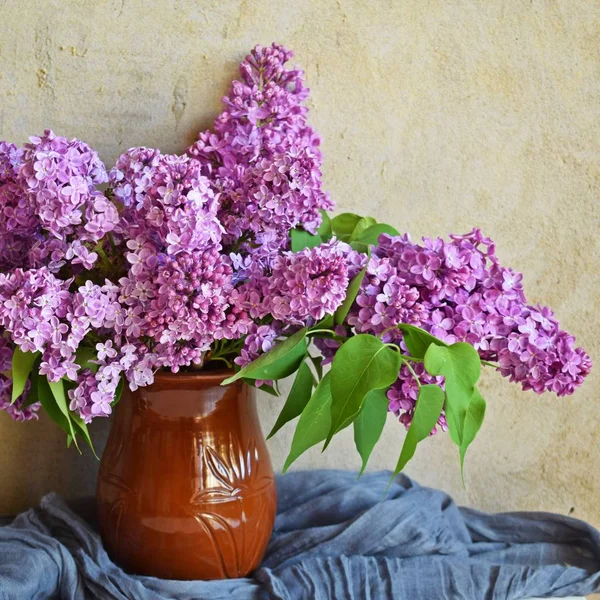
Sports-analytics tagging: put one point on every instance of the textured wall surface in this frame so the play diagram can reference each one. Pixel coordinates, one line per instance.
(435, 116)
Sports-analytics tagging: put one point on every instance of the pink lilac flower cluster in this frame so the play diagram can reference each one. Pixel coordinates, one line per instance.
(176, 294)
(179, 305)
(41, 315)
(18, 221)
(404, 392)
(97, 383)
(10, 160)
(17, 411)
(167, 317)
(301, 288)
(458, 291)
(260, 339)
(263, 157)
(59, 179)
(167, 201)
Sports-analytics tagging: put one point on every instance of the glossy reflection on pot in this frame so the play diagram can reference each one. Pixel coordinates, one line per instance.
(186, 488)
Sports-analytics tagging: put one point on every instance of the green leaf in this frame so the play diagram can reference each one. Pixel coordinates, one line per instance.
(418, 340)
(472, 425)
(22, 363)
(297, 398)
(269, 389)
(118, 391)
(325, 228)
(277, 363)
(302, 239)
(314, 422)
(32, 395)
(58, 391)
(81, 428)
(461, 366)
(325, 323)
(317, 362)
(361, 226)
(84, 356)
(427, 411)
(362, 364)
(370, 236)
(342, 312)
(49, 404)
(343, 225)
(369, 424)
(359, 247)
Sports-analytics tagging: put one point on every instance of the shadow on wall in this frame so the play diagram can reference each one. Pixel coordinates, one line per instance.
(36, 462)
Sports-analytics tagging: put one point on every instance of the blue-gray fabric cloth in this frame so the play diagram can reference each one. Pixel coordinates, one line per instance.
(335, 537)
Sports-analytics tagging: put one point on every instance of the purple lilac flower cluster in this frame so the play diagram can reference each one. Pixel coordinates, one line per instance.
(50, 209)
(263, 157)
(167, 201)
(59, 178)
(18, 221)
(96, 384)
(404, 392)
(301, 287)
(260, 339)
(41, 315)
(176, 294)
(179, 306)
(458, 291)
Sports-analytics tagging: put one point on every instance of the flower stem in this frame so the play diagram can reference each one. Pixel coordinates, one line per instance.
(412, 371)
(490, 364)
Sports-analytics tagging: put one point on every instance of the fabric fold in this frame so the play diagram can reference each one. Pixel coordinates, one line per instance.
(335, 537)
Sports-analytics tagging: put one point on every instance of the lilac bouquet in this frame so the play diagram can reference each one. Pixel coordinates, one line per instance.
(226, 256)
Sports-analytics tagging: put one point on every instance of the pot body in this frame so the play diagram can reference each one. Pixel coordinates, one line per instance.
(186, 488)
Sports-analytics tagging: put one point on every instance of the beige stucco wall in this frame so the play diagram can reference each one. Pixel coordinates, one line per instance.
(435, 116)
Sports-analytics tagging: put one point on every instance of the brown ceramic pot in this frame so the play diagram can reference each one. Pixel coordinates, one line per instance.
(186, 488)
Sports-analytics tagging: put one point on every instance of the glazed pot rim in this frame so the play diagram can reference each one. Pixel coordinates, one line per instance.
(216, 376)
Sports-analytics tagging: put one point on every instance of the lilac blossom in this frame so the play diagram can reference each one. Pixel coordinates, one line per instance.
(167, 202)
(42, 315)
(18, 222)
(260, 339)
(458, 291)
(178, 304)
(18, 225)
(51, 211)
(10, 160)
(60, 178)
(404, 392)
(301, 287)
(95, 392)
(263, 157)
(32, 305)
